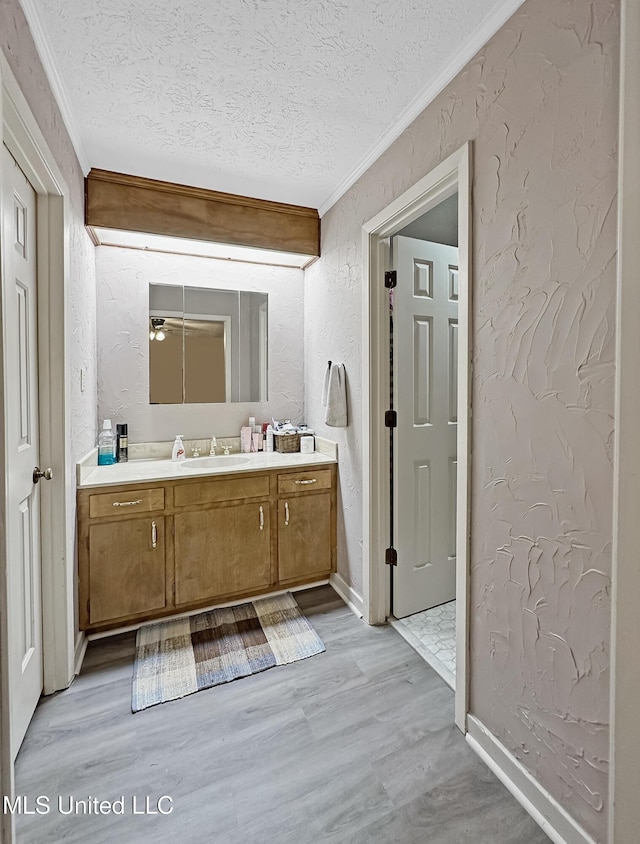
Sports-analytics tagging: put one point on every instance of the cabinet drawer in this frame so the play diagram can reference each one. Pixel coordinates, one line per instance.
(126, 502)
(227, 489)
(304, 481)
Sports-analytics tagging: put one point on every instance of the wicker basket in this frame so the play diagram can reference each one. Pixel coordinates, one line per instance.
(286, 442)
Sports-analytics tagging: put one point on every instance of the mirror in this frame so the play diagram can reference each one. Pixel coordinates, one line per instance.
(207, 346)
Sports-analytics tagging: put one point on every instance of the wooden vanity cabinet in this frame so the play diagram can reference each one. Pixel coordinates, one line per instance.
(126, 569)
(222, 551)
(147, 551)
(305, 525)
(121, 554)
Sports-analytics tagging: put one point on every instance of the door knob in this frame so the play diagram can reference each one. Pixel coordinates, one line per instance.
(38, 473)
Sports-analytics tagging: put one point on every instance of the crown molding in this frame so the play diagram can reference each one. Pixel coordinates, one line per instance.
(500, 15)
(43, 47)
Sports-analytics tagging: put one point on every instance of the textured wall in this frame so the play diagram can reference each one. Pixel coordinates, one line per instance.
(20, 52)
(123, 342)
(540, 104)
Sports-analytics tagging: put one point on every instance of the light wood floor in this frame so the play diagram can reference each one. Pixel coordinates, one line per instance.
(354, 745)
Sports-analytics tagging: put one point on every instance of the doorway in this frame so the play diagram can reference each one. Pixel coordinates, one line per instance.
(424, 306)
(28, 148)
(451, 177)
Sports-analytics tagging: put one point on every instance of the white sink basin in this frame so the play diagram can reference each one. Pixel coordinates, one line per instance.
(213, 462)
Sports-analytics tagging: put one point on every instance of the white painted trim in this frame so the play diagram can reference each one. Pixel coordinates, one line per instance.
(7, 823)
(453, 173)
(130, 627)
(43, 47)
(464, 437)
(498, 17)
(543, 808)
(375, 456)
(28, 146)
(82, 643)
(348, 595)
(624, 813)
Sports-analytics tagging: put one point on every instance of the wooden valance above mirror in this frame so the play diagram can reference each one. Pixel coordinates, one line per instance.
(132, 203)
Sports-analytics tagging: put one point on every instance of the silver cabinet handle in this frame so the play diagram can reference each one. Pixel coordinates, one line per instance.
(154, 535)
(286, 512)
(262, 518)
(310, 481)
(126, 503)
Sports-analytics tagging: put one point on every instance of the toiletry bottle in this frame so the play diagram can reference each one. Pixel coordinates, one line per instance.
(269, 439)
(178, 448)
(122, 444)
(245, 439)
(106, 445)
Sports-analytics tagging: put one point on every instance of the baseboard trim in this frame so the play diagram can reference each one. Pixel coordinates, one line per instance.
(543, 808)
(348, 595)
(80, 650)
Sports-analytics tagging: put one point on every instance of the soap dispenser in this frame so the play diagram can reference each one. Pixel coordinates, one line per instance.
(178, 448)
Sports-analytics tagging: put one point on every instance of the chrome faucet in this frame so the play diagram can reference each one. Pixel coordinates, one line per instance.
(212, 450)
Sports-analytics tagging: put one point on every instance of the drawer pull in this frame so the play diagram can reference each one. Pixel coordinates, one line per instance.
(262, 518)
(310, 481)
(286, 512)
(126, 503)
(154, 535)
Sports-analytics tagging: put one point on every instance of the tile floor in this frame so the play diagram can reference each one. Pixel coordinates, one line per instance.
(433, 634)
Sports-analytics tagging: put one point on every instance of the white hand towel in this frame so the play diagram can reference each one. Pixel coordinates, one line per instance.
(325, 386)
(336, 415)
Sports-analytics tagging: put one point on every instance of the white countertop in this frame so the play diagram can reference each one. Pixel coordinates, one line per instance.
(147, 471)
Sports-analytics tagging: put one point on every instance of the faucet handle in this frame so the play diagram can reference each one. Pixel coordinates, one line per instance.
(225, 449)
(195, 452)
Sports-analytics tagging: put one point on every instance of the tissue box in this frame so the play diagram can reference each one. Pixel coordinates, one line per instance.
(286, 442)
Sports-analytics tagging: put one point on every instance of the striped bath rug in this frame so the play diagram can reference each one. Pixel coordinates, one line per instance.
(178, 657)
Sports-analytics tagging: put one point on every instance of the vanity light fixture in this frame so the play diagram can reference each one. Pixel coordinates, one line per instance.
(156, 332)
(199, 248)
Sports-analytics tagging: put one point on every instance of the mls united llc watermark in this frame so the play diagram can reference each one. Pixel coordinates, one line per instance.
(69, 805)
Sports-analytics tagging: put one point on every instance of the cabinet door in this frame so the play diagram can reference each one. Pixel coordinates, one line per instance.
(304, 536)
(222, 551)
(126, 568)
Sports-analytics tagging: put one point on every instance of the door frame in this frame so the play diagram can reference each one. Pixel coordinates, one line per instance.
(625, 622)
(26, 143)
(453, 174)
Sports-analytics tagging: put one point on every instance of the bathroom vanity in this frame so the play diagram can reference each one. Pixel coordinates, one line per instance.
(157, 538)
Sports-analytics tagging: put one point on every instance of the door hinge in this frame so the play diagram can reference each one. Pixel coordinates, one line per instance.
(390, 419)
(391, 279)
(391, 557)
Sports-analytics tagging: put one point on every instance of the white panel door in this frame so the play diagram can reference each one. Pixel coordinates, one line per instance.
(22, 453)
(425, 387)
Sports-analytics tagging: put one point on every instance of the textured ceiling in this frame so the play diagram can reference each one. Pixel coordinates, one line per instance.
(273, 98)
